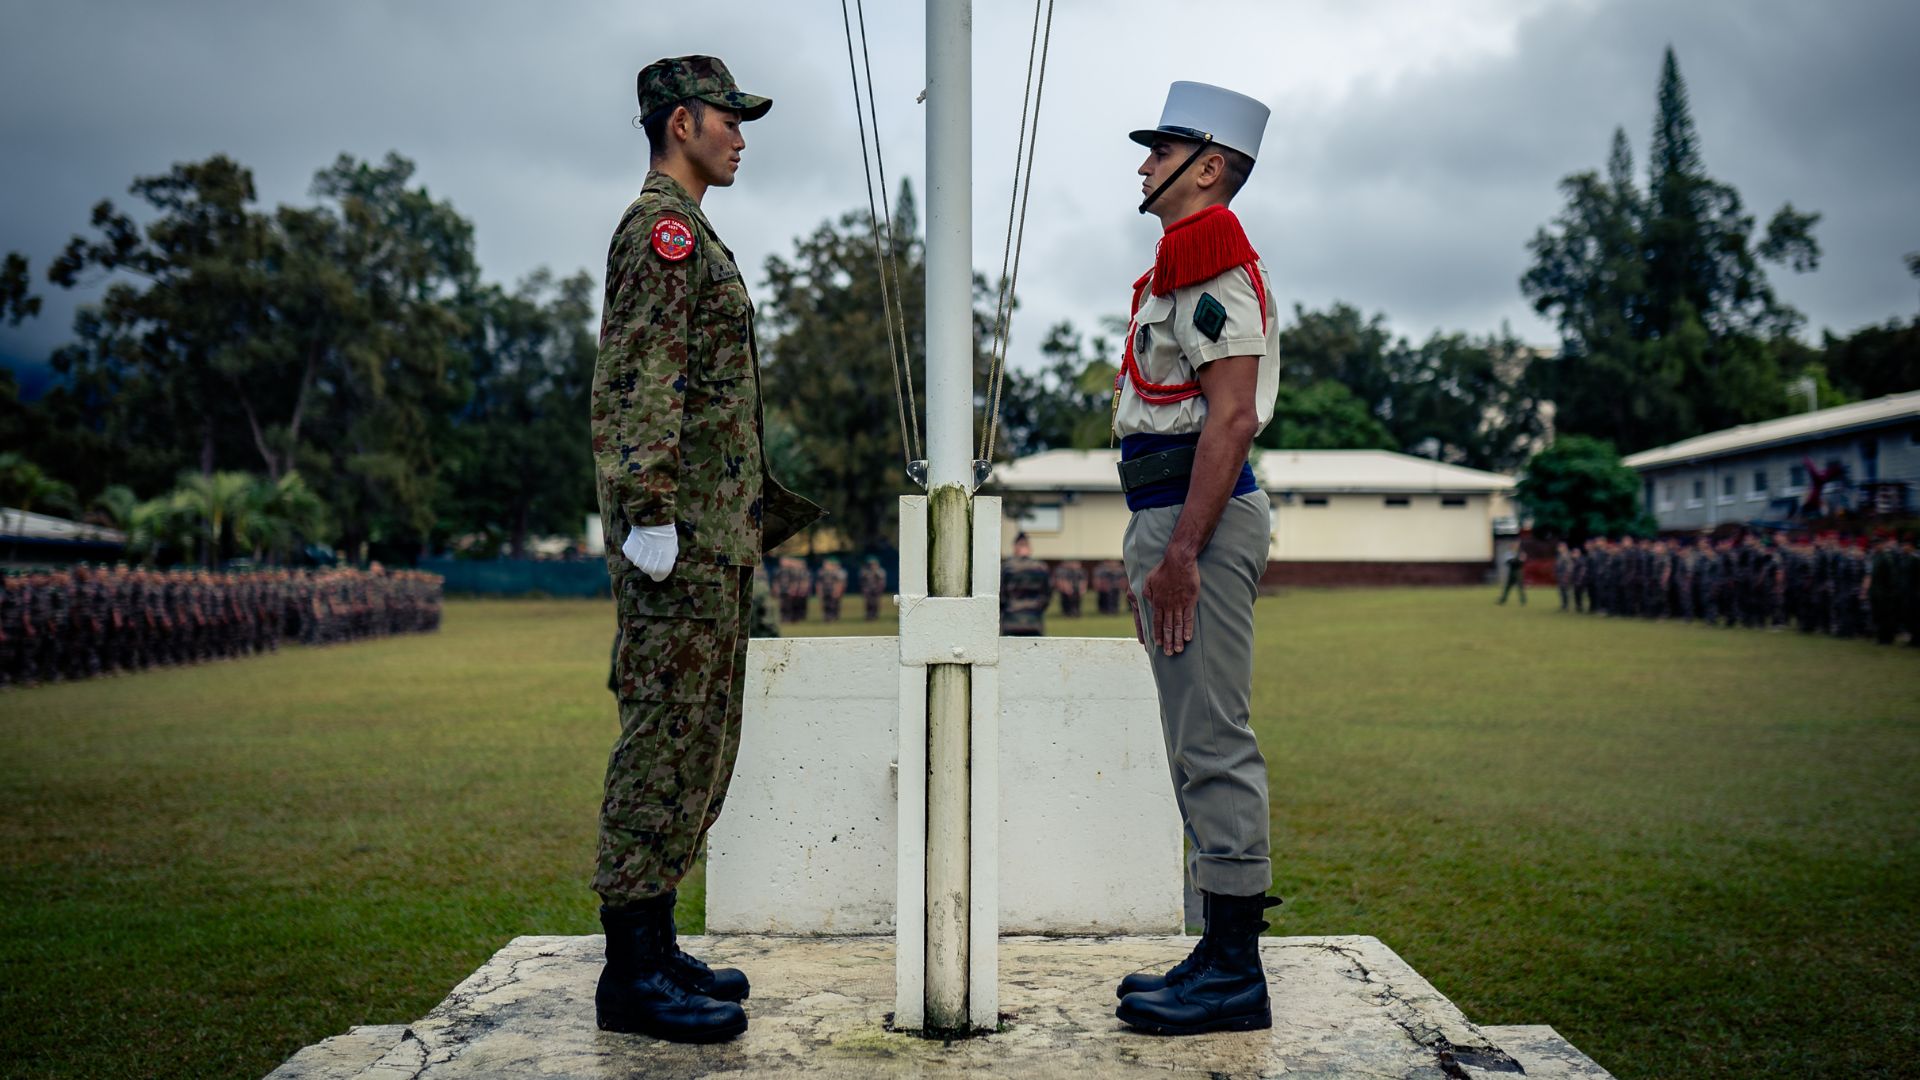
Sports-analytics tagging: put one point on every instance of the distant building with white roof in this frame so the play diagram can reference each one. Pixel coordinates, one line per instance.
(1760, 471)
(1340, 517)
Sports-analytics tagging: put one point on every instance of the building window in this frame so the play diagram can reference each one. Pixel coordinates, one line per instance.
(1727, 488)
(1453, 502)
(1796, 477)
(1699, 494)
(1398, 502)
(1666, 495)
(1313, 500)
(1759, 486)
(1042, 519)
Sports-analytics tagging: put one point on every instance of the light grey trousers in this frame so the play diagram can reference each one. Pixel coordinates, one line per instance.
(1219, 774)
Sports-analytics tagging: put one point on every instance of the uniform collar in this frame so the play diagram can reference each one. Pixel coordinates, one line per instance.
(662, 184)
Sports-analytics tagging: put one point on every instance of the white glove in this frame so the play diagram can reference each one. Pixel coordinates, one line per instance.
(652, 548)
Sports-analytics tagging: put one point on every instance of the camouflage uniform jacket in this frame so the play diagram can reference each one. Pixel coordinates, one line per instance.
(676, 393)
(1025, 592)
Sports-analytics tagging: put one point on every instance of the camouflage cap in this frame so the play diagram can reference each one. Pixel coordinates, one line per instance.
(665, 82)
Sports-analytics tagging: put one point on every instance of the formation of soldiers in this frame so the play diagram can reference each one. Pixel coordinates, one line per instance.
(794, 585)
(1825, 585)
(83, 621)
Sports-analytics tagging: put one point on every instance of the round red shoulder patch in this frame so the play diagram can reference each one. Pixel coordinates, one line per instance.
(672, 240)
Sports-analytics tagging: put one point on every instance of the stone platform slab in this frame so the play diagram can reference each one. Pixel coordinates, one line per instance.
(1343, 1007)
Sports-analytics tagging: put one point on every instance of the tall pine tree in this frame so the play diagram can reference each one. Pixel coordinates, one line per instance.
(1669, 326)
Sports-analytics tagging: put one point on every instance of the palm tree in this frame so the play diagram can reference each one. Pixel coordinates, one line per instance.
(25, 485)
(219, 501)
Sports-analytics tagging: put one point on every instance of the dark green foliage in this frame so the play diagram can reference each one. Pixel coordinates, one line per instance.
(519, 459)
(1577, 488)
(826, 379)
(1349, 384)
(1067, 403)
(1323, 416)
(1668, 323)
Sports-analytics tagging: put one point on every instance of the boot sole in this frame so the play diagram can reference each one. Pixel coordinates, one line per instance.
(630, 1026)
(1259, 1021)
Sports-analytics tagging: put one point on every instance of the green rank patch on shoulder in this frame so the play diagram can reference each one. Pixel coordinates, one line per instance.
(1209, 317)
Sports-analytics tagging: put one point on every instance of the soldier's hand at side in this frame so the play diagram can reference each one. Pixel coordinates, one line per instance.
(652, 549)
(1173, 591)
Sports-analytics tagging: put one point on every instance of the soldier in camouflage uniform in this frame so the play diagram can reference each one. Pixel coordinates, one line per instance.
(873, 586)
(1109, 584)
(760, 619)
(832, 588)
(1070, 581)
(1886, 589)
(688, 509)
(1025, 590)
(13, 630)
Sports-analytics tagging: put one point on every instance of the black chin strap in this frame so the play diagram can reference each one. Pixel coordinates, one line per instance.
(1184, 166)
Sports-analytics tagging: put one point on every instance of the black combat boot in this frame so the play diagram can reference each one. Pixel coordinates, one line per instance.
(1225, 990)
(640, 989)
(720, 984)
(1146, 982)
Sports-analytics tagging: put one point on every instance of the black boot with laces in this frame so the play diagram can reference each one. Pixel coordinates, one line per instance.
(641, 990)
(1224, 989)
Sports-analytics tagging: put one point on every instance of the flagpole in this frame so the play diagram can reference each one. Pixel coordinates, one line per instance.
(949, 368)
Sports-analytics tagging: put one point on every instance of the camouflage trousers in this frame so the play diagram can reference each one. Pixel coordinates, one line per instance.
(679, 671)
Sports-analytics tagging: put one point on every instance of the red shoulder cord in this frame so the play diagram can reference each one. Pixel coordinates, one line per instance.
(1196, 248)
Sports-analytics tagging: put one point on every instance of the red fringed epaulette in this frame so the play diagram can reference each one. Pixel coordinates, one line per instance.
(1199, 247)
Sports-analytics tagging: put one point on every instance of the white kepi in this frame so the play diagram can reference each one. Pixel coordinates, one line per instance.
(1203, 113)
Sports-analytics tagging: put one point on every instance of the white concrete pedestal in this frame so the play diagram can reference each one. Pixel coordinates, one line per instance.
(1343, 1007)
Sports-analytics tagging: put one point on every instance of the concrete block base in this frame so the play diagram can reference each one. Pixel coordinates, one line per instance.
(1343, 1007)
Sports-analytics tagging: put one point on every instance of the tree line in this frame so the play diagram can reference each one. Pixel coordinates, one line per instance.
(341, 373)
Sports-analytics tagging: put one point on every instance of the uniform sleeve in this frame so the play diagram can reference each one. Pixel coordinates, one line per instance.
(1241, 333)
(640, 379)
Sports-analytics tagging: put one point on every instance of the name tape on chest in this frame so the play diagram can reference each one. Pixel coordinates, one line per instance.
(672, 240)
(722, 271)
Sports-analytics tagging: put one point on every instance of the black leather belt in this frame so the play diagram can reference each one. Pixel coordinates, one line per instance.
(1154, 468)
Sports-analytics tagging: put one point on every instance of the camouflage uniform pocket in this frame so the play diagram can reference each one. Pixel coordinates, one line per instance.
(726, 325)
(669, 640)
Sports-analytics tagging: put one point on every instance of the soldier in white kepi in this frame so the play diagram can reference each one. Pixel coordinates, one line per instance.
(1198, 379)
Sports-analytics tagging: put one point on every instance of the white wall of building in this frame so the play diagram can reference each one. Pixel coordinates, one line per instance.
(1310, 527)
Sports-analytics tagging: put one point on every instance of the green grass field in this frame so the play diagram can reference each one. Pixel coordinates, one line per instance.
(1695, 852)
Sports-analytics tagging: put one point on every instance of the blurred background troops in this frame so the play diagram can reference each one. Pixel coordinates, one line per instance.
(792, 584)
(1516, 576)
(1109, 584)
(1569, 571)
(832, 587)
(1889, 581)
(760, 622)
(1825, 585)
(1025, 590)
(88, 621)
(873, 585)
(1070, 581)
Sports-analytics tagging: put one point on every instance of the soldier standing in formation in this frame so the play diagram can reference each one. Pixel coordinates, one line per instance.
(689, 509)
(1025, 590)
(1109, 584)
(1199, 379)
(1070, 581)
(833, 587)
(873, 586)
(96, 620)
(1823, 585)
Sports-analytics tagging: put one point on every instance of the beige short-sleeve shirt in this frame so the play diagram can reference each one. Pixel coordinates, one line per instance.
(1170, 348)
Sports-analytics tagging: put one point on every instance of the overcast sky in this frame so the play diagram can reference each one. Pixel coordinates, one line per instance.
(1415, 145)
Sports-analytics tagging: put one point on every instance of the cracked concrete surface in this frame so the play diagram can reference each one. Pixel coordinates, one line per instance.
(1343, 1007)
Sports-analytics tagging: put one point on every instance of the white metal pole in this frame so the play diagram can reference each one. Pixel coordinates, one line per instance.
(949, 257)
(949, 242)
